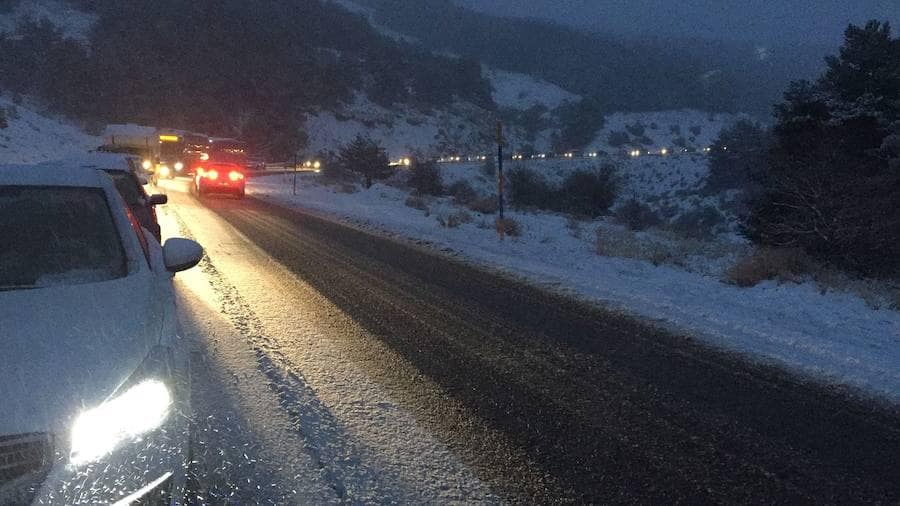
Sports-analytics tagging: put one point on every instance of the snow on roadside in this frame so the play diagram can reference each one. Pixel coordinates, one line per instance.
(833, 337)
(32, 138)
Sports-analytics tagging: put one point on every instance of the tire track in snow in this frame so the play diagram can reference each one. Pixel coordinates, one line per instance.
(325, 441)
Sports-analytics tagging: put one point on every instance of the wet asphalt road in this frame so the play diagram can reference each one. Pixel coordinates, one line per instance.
(550, 400)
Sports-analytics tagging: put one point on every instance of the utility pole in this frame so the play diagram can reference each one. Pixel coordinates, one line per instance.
(500, 228)
(295, 173)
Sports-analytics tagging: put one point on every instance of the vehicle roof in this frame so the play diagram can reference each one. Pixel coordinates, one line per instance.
(61, 173)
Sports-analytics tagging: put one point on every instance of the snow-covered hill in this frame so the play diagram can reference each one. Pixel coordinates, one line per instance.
(31, 137)
(664, 129)
(71, 22)
(402, 131)
(521, 91)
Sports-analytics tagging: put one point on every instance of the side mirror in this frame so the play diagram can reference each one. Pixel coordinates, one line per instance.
(181, 254)
(142, 181)
(158, 199)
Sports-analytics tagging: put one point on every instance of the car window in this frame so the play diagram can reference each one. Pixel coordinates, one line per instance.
(129, 188)
(57, 236)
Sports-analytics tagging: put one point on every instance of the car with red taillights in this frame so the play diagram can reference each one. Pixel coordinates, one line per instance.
(220, 177)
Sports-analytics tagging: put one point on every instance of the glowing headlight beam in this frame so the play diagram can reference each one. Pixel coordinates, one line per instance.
(140, 409)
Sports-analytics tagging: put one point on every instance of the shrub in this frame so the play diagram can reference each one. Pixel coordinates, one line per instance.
(462, 192)
(527, 188)
(700, 223)
(624, 244)
(636, 129)
(637, 215)
(508, 226)
(783, 264)
(586, 193)
(484, 205)
(456, 219)
(425, 178)
(365, 157)
(416, 203)
(489, 168)
(738, 156)
(618, 139)
(574, 227)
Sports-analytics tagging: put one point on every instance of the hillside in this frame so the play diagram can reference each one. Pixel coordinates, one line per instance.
(623, 74)
(31, 137)
(260, 86)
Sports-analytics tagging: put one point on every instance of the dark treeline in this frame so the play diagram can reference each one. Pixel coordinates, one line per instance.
(621, 75)
(227, 68)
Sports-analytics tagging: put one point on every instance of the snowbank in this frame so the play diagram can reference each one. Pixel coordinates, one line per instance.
(33, 138)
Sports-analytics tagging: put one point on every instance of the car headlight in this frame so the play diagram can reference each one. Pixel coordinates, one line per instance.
(179, 166)
(147, 164)
(100, 430)
(164, 171)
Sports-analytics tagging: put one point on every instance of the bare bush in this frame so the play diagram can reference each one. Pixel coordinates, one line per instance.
(508, 226)
(485, 205)
(782, 264)
(456, 219)
(425, 178)
(462, 192)
(701, 223)
(416, 203)
(637, 216)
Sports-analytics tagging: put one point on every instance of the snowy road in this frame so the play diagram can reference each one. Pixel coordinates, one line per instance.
(334, 366)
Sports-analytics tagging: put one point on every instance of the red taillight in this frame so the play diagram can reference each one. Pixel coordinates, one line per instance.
(235, 175)
(213, 174)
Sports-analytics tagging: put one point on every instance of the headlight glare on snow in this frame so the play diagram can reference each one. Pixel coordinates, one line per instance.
(136, 411)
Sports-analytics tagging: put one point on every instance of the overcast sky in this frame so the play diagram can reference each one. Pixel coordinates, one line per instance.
(764, 22)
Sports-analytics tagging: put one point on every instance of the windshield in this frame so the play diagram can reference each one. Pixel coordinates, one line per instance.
(57, 236)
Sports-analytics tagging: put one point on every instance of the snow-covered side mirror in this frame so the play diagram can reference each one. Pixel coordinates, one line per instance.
(158, 199)
(181, 254)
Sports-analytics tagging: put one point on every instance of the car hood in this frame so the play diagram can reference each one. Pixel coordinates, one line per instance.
(69, 347)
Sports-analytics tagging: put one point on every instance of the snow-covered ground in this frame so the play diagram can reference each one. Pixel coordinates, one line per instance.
(833, 337)
(73, 23)
(521, 91)
(662, 129)
(401, 131)
(33, 138)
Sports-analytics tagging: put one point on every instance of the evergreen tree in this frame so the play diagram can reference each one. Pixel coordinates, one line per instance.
(739, 153)
(832, 186)
(365, 157)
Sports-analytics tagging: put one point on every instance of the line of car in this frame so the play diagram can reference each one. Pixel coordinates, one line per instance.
(94, 379)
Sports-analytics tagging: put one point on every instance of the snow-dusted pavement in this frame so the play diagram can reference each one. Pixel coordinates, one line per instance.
(334, 366)
(281, 416)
